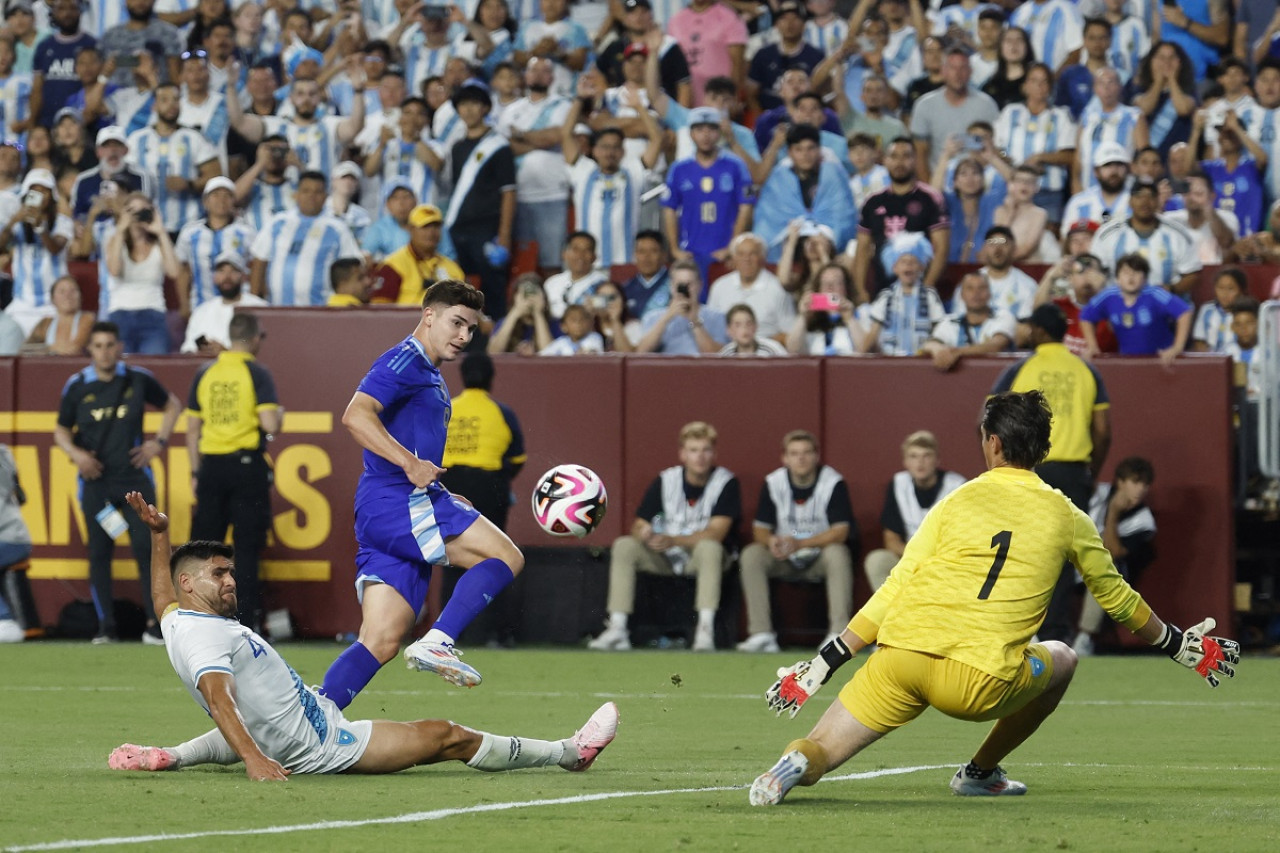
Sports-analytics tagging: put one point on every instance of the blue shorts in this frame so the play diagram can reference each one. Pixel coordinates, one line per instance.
(400, 537)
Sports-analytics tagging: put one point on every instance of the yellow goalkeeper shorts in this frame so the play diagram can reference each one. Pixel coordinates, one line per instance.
(896, 685)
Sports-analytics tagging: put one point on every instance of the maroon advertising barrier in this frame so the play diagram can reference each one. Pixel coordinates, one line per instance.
(1178, 418)
(621, 417)
(752, 403)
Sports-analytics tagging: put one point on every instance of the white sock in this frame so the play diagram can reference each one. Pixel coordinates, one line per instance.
(210, 748)
(618, 621)
(706, 619)
(435, 635)
(498, 752)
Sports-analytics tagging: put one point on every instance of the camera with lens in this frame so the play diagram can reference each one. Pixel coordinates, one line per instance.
(146, 215)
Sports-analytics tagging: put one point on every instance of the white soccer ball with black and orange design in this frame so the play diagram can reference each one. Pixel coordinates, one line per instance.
(569, 500)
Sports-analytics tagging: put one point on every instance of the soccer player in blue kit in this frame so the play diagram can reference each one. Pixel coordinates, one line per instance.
(405, 520)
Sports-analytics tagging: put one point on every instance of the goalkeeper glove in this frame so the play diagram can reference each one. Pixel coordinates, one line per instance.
(796, 683)
(1195, 649)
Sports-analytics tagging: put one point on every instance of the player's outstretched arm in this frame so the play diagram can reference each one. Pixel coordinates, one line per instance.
(218, 691)
(798, 682)
(163, 595)
(1194, 648)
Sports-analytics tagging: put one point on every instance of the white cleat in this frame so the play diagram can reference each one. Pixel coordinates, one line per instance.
(769, 788)
(1083, 645)
(611, 640)
(704, 639)
(765, 641)
(598, 732)
(995, 785)
(443, 660)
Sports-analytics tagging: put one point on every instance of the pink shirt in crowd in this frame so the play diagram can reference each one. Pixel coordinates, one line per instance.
(705, 38)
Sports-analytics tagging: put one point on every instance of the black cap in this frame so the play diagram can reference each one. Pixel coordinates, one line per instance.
(1050, 318)
(1143, 185)
(473, 89)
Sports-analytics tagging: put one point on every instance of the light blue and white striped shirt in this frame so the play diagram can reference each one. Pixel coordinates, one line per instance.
(905, 320)
(299, 250)
(34, 267)
(400, 161)
(266, 200)
(1097, 127)
(608, 207)
(316, 143)
(827, 37)
(1213, 326)
(1021, 134)
(1170, 249)
(180, 154)
(1264, 126)
(1089, 206)
(1054, 27)
(15, 105)
(1129, 43)
(198, 245)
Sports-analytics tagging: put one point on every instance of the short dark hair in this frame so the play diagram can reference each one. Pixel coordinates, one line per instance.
(1022, 420)
(740, 308)
(586, 235)
(1097, 22)
(1246, 305)
(105, 327)
(1135, 262)
(449, 292)
(865, 139)
(999, 231)
(218, 23)
(721, 86)
(199, 549)
(1229, 62)
(1235, 274)
(991, 14)
(414, 99)
(607, 131)
(314, 175)
(803, 133)
(343, 270)
(243, 326)
(477, 371)
(381, 46)
(901, 140)
(654, 235)
(1271, 62)
(1136, 468)
(807, 96)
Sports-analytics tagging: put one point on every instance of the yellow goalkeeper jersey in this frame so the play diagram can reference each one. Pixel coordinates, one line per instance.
(975, 580)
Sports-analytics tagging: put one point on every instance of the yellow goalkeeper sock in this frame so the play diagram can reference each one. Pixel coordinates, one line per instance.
(816, 755)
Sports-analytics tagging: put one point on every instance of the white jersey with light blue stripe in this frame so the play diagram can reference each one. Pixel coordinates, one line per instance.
(863, 185)
(265, 201)
(102, 231)
(399, 160)
(1264, 126)
(1170, 249)
(15, 105)
(105, 14)
(608, 207)
(1129, 43)
(827, 37)
(1089, 206)
(1097, 127)
(960, 17)
(421, 61)
(198, 245)
(1213, 326)
(34, 267)
(316, 143)
(180, 154)
(1055, 28)
(1021, 134)
(299, 250)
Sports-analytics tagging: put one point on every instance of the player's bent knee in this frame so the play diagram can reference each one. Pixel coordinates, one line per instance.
(1064, 661)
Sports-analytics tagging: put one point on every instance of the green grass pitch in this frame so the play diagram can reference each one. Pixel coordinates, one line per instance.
(1140, 756)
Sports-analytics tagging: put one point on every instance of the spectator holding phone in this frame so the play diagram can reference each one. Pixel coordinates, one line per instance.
(683, 326)
(36, 236)
(111, 180)
(267, 187)
(827, 323)
(526, 329)
(139, 255)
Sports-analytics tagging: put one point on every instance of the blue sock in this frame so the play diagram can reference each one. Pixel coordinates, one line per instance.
(349, 674)
(478, 586)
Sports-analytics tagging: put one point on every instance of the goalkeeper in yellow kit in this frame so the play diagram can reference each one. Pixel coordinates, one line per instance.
(955, 619)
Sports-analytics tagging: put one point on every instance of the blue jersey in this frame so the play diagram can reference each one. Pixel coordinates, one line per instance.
(55, 58)
(1239, 190)
(416, 409)
(1143, 328)
(707, 200)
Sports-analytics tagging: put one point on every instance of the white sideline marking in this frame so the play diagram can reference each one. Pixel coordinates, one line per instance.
(437, 814)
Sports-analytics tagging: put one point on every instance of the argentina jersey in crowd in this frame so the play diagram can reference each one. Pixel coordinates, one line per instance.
(415, 410)
(285, 717)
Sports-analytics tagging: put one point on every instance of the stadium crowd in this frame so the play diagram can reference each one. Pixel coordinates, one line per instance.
(713, 177)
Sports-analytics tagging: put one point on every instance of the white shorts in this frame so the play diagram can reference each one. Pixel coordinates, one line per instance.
(343, 745)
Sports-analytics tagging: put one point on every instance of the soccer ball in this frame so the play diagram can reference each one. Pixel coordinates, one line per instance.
(569, 500)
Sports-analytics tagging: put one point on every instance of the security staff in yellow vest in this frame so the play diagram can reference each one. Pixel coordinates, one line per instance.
(483, 452)
(410, 270)
(232, 412)
(1079, 437)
